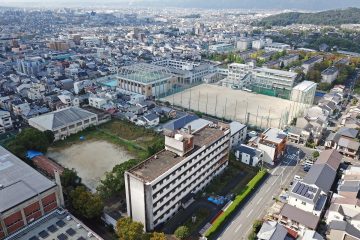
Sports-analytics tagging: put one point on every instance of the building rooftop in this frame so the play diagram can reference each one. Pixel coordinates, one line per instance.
(144, 73)
(19, 182)
(273, 135)
(305, 218)
(164, 160)
(305, 85)
(313, 60)
(62, 117)
(58, 224)
(330, 71)
(305, 191)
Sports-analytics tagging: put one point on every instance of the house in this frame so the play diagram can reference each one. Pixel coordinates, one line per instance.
(341, 230)
(64, 122)
(345, 141)
(248, 155)
(323, 173)
(298, 135)
(311, 235)
(271, 230)
(272, 143)
(238, 133)
(307, 197)
(152, 119)
(297, 219)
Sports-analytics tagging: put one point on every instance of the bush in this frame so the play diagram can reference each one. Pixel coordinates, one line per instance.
(236, 203)
(182, 232)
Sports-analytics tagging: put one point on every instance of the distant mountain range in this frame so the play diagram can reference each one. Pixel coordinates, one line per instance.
(314, 5)
(331, 17)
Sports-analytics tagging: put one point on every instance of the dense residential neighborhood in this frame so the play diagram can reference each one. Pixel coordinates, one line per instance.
(178, 123)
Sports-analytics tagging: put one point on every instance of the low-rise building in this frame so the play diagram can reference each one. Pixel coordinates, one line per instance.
(221, 48)
(65, 122)
(345, 141)
(329, 75)
(310, 63)
(249, 155)
(278, 47)
(272, 143)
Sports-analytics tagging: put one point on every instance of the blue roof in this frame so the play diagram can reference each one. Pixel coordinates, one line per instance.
(180, 122)
(32, 153)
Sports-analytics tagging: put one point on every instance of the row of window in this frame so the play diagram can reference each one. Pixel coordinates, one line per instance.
(198, 157)
(212, 164)
(160, 218)
(189, 170)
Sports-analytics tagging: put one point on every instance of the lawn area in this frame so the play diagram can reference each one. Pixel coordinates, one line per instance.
(201, 214)
(134, 139)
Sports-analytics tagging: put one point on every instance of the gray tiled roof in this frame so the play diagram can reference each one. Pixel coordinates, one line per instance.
(346, 227)
(63, 117)
(20, 182)
(305, 218)
(322, 176)
(272, 231)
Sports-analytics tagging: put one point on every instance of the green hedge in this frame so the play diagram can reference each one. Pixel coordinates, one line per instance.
(236, 203)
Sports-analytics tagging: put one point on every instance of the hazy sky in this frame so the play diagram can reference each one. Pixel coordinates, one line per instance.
(245, 4)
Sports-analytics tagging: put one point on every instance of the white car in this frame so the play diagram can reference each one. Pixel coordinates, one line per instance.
(297, 178)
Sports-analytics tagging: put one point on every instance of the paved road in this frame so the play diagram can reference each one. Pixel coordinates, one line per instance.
(261, 200)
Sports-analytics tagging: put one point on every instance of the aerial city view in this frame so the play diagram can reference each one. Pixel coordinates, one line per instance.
(179, 120)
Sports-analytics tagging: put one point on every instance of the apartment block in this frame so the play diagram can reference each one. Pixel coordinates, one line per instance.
(156, 188)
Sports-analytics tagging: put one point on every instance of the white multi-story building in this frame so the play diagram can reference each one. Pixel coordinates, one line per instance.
(278, 47)
(237, 72)
(156, 188)
(329, 75)
(273, 79)
(146, 79)
(221, 48)
(258, 44)
(5, 120)
(304, 92)
(238, 133)
(97, 102)
(187, 72)
(244, 44)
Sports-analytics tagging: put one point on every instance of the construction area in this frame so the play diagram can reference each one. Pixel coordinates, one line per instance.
(256, 110)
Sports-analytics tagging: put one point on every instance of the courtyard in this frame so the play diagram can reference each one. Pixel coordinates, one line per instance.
(96, 150)
(91, 159)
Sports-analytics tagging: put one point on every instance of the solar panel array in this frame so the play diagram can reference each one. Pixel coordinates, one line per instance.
(68, 234)
(304, 190)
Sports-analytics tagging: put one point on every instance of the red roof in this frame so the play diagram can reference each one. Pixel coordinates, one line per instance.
(47, 165)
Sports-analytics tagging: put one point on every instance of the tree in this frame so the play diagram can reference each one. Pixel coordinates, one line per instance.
(28, 139)
(157, 236)
(69, 178)
(85, 203)
(182, 232)
(315, 154)
(127, 229)
(114, 182)
(50, 136)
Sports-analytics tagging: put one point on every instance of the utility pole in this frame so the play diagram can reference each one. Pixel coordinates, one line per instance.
(190, 99)
(225, 108)
(216, 105)
(235, 110)
(207, 100)
(199, 102)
